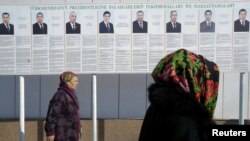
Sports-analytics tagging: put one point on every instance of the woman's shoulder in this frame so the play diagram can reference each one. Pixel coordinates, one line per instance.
(60, 95)
(177, 102)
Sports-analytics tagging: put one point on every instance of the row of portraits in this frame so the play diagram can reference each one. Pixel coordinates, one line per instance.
(139, 25)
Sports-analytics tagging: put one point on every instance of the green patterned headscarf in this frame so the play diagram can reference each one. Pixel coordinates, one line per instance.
(191, 73)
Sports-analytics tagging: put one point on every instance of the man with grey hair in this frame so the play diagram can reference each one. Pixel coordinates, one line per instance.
(72, 27)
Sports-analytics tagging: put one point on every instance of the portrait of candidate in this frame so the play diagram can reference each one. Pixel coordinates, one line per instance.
(207, 25)
(6, 28)
(241, 24)
(105, 26)
(72, 27)
(173, 26)
(139, 25)
(39, 27)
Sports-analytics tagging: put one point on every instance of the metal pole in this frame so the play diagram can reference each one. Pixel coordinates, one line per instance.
(22, 112)
(94, 107)
(241, 112)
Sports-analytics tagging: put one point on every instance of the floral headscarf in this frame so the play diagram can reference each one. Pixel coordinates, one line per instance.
(191, 73)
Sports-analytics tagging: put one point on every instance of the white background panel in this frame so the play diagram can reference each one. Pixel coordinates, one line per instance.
(219, 109)
(231, 96)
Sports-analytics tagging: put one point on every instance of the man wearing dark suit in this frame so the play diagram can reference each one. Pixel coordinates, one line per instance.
(39, 27)
(6, 28)
(241, 25)
(173, 26)
(105, 26)
(207, 25)
(72, 27)
(139, 25)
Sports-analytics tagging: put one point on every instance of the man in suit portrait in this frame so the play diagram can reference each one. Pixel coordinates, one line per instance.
(207, 25)
(39, 27)
(173, 26)
(139, 25)
(105, 26)
(241, 25)
(6, 28)
(72, 27)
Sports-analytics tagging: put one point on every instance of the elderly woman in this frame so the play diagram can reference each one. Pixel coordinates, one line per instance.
(63, 120)
(182, 100)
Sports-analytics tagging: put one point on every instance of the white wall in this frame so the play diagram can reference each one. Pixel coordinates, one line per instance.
(228, 100)
(36, 103)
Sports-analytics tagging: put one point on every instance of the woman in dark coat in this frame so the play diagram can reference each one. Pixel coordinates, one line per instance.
(63, 119)
(183, 98)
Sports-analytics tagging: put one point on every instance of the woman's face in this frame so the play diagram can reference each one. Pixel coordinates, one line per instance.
(73, 83)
